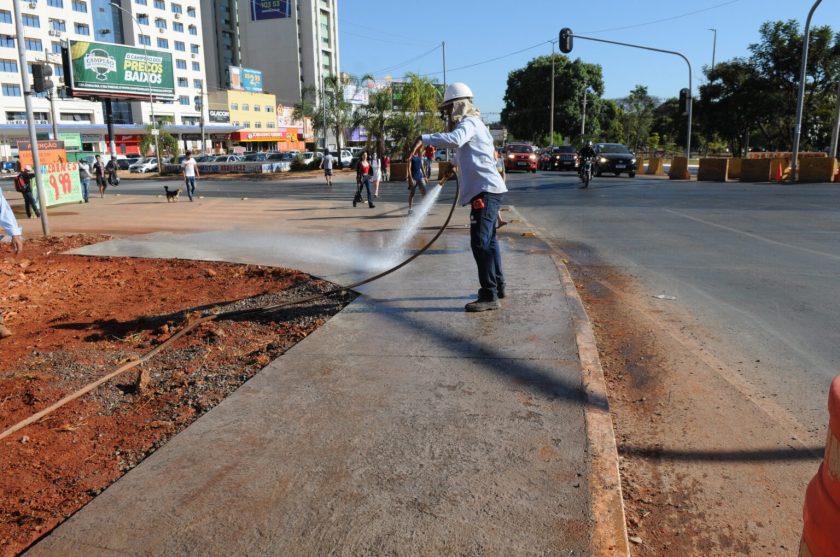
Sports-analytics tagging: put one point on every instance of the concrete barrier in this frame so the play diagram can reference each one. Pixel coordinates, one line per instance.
(640, 165)
(817, 169)
(755, 170)
(821, 512)
(713, 170)
(399, 171)
(679, 169)
(734, 169)
(656, 167)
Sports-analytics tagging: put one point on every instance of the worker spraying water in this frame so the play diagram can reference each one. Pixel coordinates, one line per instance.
(482, 187)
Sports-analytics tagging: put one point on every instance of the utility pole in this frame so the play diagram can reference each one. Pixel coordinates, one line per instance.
(800, 101)
(53, 111)
(835, 132)
(714, 47)
(200, 106)
(30, 119)
(443, 51)
(551, 117)
(583, 114)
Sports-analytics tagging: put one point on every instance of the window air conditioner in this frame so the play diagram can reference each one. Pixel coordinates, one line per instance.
(161, 29)
(177, 16)
(33, 5)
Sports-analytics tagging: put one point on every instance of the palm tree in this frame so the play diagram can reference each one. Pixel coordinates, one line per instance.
(418, 100)
(374, 117)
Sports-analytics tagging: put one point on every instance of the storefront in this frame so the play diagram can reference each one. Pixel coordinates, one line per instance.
(256, 141)
(127, 144)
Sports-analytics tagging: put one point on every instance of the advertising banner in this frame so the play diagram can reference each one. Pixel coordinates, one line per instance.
(115, 71)
(270, 9)
(72, 141)
(220, 116)
(49, 152)
(61, 183)
(246, 79)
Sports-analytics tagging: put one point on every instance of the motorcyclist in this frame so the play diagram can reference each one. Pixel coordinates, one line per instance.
(586, 152)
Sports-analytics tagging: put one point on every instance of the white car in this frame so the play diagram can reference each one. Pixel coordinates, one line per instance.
(308, 157)
(148, 164)
(228, 158)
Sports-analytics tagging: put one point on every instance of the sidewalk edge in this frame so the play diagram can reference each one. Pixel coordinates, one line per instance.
(609, 533)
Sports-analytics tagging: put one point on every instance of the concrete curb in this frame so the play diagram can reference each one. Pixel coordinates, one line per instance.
(609, 532)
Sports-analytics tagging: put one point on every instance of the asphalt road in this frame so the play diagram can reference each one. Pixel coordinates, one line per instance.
(754, 264)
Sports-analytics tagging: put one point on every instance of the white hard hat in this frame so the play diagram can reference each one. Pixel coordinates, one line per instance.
(456, 91)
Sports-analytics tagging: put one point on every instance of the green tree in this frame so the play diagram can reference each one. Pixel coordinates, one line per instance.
(417, 111)
(374, 117)
(167, 142)
(528, 98)
(637, 116)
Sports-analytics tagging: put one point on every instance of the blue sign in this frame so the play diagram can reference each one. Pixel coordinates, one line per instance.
(270, 9)
(246, 79)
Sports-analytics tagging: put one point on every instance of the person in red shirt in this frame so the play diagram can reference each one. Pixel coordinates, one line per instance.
(428, 157)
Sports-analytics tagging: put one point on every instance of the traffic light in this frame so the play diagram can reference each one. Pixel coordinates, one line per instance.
(685, 98)
(41, 74)
(566, 37)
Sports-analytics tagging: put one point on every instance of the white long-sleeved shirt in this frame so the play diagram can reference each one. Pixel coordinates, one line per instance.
(8, 222)
(474, 157)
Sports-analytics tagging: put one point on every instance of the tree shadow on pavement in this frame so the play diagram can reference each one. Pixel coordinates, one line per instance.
(723, 455)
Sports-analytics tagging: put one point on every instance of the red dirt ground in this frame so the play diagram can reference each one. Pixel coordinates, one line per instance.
(77, 318)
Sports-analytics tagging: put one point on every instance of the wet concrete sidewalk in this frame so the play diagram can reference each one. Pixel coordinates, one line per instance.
(402, 426)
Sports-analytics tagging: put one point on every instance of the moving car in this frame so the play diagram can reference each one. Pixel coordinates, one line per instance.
(148, 164)
(563, 157)
(520, 156)
(615, 158)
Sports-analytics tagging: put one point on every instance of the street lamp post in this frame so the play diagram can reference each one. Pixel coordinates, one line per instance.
(551, 116)
(714, 47)
(800, 101)
(149, 83)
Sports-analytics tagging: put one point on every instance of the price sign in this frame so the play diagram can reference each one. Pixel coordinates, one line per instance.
(61, 183)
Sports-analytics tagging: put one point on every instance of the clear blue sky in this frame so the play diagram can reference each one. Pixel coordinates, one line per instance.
(392, 37)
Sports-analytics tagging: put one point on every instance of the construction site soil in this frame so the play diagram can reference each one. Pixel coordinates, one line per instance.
(78, 318)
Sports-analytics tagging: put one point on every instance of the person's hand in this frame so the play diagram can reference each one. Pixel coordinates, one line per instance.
(17, 243)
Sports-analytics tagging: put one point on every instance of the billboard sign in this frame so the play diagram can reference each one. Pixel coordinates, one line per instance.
(270, 9)
(246, 79)
(72, 141)
(62, 183)
(220, 116)
(49, 152)
(106, 70)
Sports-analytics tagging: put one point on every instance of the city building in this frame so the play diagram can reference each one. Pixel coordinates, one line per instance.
(294, 43)
(252, 114)
(155, 25)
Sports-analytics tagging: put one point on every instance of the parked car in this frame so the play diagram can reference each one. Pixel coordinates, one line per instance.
(227, 158)
(126, 162)
(615, 158)
(205, 158)
(440, 155)
(346, 158)
(563, 157)
(148, 164)
(520, 156)
(256, 157)
(280, 157)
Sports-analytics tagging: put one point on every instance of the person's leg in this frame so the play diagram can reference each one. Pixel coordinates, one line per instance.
(27, 202)
(85, 186)
(369, 197)
(376, 188)
(410, 198)
(482, 241)
(496, 200)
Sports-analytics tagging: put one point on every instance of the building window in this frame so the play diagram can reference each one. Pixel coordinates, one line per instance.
(76, 117)
(145, 40)
(11, 90)
(197, 83)
(55, 47)
(246, 123)
(15, 117)
(79, 6)
(234, 106)
(81, 28)
(58, 70)
(183, 82)
(176, 9)
(5, 16)
(269, 125)
(58, 25)
(162, 43)
(8, 66)
(31, 21)
(141, 2)
(178, 27)
(55, 3)
(7, 41)
(34, 45)
(180, 64)
(184, 101)
(196, 66)
(194, 48)
(269, 108)
(193, 30)
(160, 23)
(181, 47)
(160, 4)
(190, 11)
(246, 107)
(143, 19)
(256, 108)
(236, 123)
(257, 124)
(190, 120)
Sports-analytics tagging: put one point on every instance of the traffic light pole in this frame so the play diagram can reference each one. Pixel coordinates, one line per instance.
(30, 119)
(690, 100)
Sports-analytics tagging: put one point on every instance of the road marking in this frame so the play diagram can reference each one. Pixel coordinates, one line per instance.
(754, 236)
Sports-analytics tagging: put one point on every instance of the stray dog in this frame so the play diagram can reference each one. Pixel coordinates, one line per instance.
(172, 195)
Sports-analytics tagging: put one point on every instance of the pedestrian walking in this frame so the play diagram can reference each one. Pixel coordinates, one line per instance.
(428, 157)
(84, 178)
(327, 164)
(363, 176)
(9, 224)
(416, 175)
(189, 169)
(386, 167)
(23, 185)
(376, 167)
(99, 174)
(112, 172)
(481, 187)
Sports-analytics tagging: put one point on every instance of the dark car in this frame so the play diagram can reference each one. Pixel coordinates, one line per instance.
(123, 164)
(615, 158)
(563, 157)
(520, 156)
(280, 157)
(256, 157)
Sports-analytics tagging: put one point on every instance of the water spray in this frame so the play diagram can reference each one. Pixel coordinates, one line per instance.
(210, 315)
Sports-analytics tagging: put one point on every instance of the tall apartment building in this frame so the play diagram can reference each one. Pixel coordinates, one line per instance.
(158, 25)
(293, 42)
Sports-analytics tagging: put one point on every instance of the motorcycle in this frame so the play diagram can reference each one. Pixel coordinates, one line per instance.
(586, 171)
